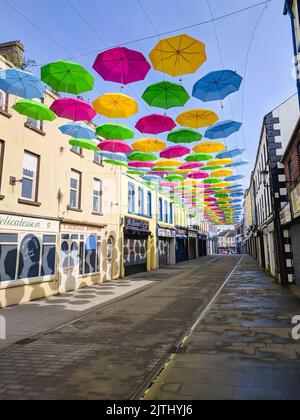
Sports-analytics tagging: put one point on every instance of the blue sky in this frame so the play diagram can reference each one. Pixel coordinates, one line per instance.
(269, 78)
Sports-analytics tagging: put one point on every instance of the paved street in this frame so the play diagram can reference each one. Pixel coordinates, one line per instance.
(242, 349)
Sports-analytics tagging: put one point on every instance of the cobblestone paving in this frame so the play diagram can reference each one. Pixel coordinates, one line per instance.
(243, 349)
(109, 353)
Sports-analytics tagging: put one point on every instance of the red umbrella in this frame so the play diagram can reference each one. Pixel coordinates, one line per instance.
(115, 146)
(198, 175)
(141, 165)
(121, 65)
(155, 124)
(174, 152)
(191, 165)
(73, 109)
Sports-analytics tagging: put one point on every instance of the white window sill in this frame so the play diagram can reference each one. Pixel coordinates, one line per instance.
(27, 282)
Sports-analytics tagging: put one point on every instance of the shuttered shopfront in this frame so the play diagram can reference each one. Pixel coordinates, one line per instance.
(165, 239)
(136, 234)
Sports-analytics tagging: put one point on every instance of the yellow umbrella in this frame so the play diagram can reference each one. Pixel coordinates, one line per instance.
(168, 163)
(182, 171)
(224, 184)
(217, 162)
(149, 145)
(221, 173)
(116, 105)
(188, 182)
(209, 147)
(197, 118)
(178, 55)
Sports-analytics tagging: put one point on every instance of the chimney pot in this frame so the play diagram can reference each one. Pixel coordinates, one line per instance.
(14, 52)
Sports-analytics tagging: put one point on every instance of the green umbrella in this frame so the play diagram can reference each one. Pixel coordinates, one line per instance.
(166, 95)
(142, 157)
(35, 110)
(133, 172)
(64, 76)
(221, 195)
(174, 178)
(163, 169)
(116, 163)
(184, 135)
(212, 181)
(85, 144)
(211, 168)
(113, 131)
(198, 157)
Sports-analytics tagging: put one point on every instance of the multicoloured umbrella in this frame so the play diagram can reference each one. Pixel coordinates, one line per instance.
(217, 85)
(178, 55)
(229, 154)
(115, 146)
(73, 109)
(197, 118)
(155, 124)
(166, 95)
(64, 76)
(209, 147)
(149, 145)
(113, 131)
(78, 131)
(174, 152)
(21, 83)
(198, 157)
(35, 110)
(184, 136)
(142, 157)
(116, 105)
(223, 129)
(122, 65)
(85, 144)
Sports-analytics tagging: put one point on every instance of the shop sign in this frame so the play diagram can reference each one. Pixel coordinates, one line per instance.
(28, 224)
(166, 233)
(286, 215)
(137, 225)
(181, 233)
(295, 199)
(193, 235)
(79, 228)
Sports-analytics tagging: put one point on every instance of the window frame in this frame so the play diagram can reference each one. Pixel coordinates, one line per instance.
(161, 209)
(100, 191)
(2, 151)
(131, 198)
(30, 122)
(4, 109)
(36, 181)
(149, 204)
(79, 191)
(141, 201)
(100, 163)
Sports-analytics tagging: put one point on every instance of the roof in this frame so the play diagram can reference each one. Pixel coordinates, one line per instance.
(227, 234)
(291, 142)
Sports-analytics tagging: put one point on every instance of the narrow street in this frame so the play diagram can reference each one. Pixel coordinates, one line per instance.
(113, 351)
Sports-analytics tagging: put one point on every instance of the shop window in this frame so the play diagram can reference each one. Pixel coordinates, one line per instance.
(141, 201)
(160, 210)
(30, 176)
(97, 196)
(131, 198)
(149, 204)
(48, 255)
(75, 189)
(8, 256)
(91, 255)
(1, 160)
(29, 257)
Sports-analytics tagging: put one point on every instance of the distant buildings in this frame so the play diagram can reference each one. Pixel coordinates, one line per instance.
(227, 242)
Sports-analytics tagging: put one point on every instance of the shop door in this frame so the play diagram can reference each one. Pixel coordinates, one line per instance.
(192, 249)
(110, 250)
(135, 256)
(181, 252)
(200, 247)
(164, 252)
(295, 237)
(69, 265)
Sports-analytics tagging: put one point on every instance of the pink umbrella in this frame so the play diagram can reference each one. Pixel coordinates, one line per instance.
(174, 152)
(141, 165)
(191, 165)
(168, 184)
(73, 109)
(121, 65)
(155, 124)
(115, 146)
(159, 173)
(198, 175)
(210, 200)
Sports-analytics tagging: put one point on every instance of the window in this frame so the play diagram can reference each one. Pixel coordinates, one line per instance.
(3, 101)
(298, 153)
(171, 214)
(166, 212)
(91, 255)
(98, 158)
(160, 209)
(76, 149)
(290, 169)
(48, 255)
(131, 198)
(97, 196)
(141, 201)
(29, 257)
(38, 125)
(8, 256)
(30, 176)
(149, 204)
(75, 189)
(1, 160)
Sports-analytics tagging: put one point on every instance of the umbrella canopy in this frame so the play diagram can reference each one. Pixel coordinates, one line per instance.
(114, 156)
(35, 110)
(116, 105)
(198, 157)
(209, 147)
(136, 172)
(217, 85)
(73, 109)
(178, 55)
(168, 184)
(213, 181)
(226, 161)
(174, 178)
(115, 146)
(78, 131)
(168, 163)
(211, 167)
(197, 118)
(85, 144)
(113, 131)
(191, 165)
(116, 162)
(184, 136)
(122, 65)
(229, 154)
(198, 175)
(166, 95)
(137, 164)
(174, 152)
(155, 124)
(221, 173)
(64, 76)
(149, 145)
(224, 184)
(21, 83)
(234, 178)
(142, 157)
(223, 129)
(238, 164)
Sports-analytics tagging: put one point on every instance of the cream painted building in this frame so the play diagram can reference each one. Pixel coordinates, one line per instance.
(59, 210)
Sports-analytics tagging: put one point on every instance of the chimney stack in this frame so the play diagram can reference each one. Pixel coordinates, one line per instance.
(13, 52)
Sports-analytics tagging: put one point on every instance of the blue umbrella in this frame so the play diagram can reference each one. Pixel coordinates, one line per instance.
(234, 178)
(237, 164)
(78, 131)
(222, 130)
(21, 83)
(217, 85)
(236, 200)
(238, 186)
(120, 157)
(229, 154)
(152, 178)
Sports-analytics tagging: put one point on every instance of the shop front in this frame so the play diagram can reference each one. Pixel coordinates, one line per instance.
(182, 253)
(166, 246)
(136, 245)
(193, 239)
(28, 258)
(202, 246)
(292, 220)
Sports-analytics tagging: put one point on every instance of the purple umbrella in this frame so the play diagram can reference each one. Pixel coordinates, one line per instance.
(155, 124)
(73, 109)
